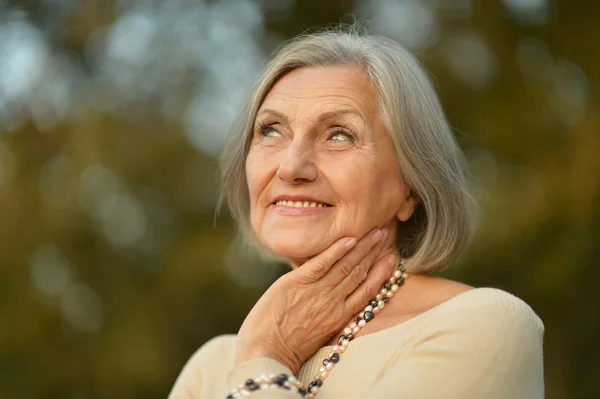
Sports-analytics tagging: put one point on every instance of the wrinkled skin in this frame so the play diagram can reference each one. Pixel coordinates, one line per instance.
(318, 138)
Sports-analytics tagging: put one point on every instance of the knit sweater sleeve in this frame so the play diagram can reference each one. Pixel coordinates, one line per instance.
(488, 349)
(206, 366)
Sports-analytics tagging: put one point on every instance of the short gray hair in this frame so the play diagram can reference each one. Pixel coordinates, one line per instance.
(429, 159)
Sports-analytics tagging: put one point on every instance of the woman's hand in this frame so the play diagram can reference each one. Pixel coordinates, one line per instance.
(304, 308)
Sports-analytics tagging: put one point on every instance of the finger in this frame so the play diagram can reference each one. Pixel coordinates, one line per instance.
(344, 266)
(360, 271)
(318, 266)
(369, 289)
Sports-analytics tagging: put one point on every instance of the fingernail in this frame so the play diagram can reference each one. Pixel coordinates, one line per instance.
(393, 260)
(377, 234)
(350, 242)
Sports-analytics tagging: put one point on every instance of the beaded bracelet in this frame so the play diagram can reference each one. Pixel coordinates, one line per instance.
(281, 381)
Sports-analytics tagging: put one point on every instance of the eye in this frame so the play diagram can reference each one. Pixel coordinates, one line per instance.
(268, 131)
(342, 135)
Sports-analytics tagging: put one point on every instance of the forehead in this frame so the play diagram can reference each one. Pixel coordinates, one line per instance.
(317, 88)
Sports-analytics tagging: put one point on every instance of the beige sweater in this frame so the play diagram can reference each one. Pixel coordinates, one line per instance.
(483, 343)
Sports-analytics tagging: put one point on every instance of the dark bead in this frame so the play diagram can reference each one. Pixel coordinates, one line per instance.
(400, 281)
(357, 319)
(351, 336)
(369, 316)
(252, 387)
(326, 362)
(373, 302)
(385, 299)
(342, 337)
(302, 392)
(387, 285)
(280, 379)
(249, 382)
(335, 357)
(319, 383)
(229, 397)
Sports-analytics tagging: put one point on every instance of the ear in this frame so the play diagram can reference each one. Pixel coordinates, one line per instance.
(408, 206)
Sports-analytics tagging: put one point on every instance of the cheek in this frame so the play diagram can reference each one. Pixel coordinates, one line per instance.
(258, 176)
(371, 192)
(255, 177)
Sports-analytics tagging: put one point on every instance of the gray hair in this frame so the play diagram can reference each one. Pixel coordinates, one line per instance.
(429, 159)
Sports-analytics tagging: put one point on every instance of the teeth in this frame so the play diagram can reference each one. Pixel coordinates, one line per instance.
(301, 204)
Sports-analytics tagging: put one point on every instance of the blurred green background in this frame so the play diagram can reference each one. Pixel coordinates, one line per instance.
(113, 266)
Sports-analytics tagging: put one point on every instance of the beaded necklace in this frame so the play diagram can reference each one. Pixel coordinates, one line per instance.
(376, 305)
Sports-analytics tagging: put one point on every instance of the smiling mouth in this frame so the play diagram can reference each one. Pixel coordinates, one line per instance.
(302, 204)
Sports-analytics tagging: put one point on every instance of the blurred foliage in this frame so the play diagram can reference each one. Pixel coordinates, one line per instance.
(113, 267)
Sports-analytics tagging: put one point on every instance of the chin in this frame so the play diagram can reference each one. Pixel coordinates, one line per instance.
(295, 248)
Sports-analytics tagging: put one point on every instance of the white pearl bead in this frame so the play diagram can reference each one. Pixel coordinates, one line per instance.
(381, 304)
(345, 343)
(361, 315)
(335, 349)
(397, 274)
(390, 294)
(383, 291)
(342, 349)
(324, 374)
(329, 366)
(369, 308)
(322, 369)
(315, 390)
(395, 288)
(378, 297)
(404, 276)
(355, 330)
(362, 323)
(264, 386)
(352, 325)
(376, 309)
(347, 330)
(392, 280)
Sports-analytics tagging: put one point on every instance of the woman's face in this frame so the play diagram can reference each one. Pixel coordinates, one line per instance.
(321, 166)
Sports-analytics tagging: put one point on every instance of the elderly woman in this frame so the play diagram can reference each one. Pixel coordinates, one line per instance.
(344, 165)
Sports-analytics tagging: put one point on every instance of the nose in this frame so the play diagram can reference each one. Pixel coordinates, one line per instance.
(297, 166)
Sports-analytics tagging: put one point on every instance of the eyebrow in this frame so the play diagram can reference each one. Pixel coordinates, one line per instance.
(322, 117)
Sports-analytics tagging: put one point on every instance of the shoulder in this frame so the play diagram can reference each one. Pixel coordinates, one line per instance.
(494, 305)
(215, 350)
(481, 343)
(487, 317)
(212, 359)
